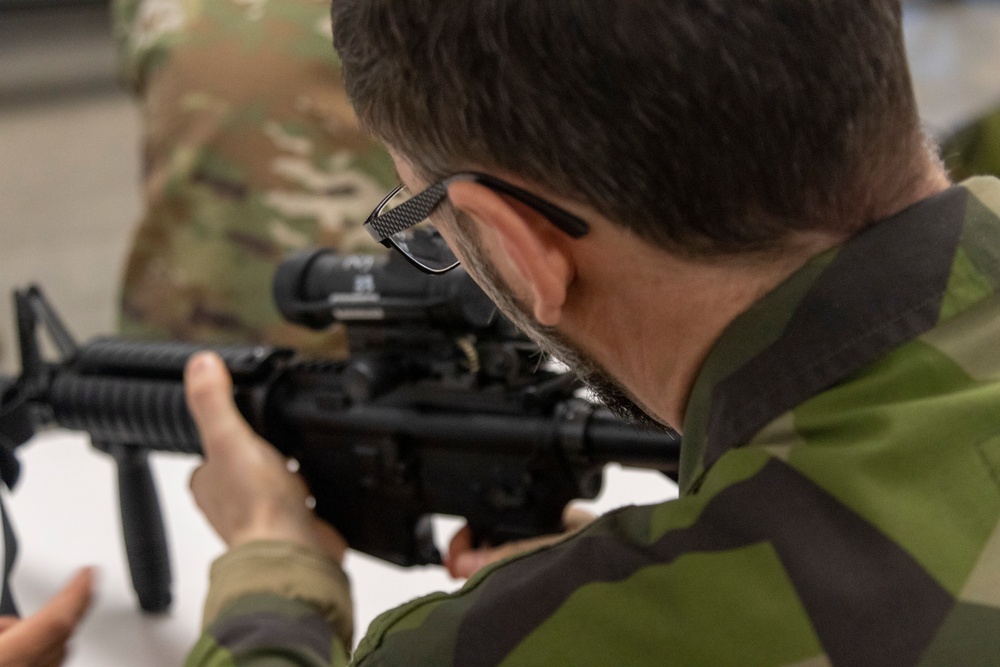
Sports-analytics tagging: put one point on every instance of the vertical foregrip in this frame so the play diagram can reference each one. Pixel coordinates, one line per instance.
(130, 398)
(142, 526)
(126, 418)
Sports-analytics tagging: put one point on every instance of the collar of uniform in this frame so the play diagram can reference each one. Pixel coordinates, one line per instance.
(846, 308)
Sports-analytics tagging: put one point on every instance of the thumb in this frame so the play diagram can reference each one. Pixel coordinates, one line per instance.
(55, 622)
(209, 390)
(72, 602)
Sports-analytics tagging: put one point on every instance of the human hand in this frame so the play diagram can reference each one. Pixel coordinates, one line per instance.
(244, 487)
(463, 560)
(40, 639)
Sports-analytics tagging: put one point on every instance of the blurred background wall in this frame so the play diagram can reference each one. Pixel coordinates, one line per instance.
(69, 164)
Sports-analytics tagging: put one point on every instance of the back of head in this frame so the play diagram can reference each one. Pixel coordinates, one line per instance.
(704, 126)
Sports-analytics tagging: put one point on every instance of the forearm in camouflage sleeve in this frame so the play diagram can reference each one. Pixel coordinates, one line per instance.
(275, 600)
(265, 630)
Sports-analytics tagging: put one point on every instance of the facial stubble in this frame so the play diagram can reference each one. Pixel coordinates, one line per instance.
(550, 340)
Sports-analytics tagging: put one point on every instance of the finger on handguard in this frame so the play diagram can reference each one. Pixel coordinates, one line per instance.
(209, 390)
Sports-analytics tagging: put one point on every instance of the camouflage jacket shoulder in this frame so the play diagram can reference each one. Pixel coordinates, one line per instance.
(840, 487)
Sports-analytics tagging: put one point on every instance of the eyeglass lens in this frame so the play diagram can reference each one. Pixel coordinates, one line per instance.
(421, 242)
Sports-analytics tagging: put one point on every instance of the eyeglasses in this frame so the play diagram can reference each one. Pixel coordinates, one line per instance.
(402, 221)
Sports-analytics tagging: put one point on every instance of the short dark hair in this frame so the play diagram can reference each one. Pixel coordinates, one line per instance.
(703, 126)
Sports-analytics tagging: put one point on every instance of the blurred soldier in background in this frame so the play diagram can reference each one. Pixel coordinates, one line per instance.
(251, 152)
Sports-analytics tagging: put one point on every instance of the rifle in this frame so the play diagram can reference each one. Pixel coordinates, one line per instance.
(443, 408)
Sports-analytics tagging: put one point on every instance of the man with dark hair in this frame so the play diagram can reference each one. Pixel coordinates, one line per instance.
(726, 217)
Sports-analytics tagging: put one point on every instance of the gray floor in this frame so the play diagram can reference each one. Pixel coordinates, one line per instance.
(69, 153)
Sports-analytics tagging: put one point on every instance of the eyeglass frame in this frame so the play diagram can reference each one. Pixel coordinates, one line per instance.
(419, 207)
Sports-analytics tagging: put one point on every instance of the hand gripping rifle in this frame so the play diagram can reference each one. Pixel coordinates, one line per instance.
(442, 408)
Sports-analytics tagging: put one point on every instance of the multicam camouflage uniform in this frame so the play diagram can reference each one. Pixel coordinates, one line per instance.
(251, 152)
(840, 497)
(975, 148)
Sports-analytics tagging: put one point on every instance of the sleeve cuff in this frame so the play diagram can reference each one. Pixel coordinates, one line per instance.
(282, 568)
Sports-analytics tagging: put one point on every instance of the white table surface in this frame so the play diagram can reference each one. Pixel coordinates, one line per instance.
(66, 515)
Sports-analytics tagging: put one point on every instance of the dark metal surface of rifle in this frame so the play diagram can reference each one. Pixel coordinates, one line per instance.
(443, 408)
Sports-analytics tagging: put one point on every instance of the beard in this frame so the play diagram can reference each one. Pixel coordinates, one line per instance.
(605, 389)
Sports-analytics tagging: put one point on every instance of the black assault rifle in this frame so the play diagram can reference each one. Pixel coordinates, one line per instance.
(443, 408)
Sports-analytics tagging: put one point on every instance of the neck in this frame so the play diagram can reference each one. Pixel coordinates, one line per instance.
(654, 336)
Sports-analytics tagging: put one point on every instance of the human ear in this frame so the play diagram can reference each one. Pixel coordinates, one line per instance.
(528, 251)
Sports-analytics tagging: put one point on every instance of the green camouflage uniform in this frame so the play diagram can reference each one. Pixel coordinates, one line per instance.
(251, 152)
(840, 496)
(974, 149)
